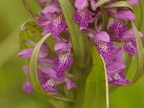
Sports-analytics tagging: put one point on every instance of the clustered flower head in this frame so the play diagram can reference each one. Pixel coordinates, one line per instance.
(112, 43)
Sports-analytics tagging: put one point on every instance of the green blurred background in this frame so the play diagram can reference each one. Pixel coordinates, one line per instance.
(12, 15)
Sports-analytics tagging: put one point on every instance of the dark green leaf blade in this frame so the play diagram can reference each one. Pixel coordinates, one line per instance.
(140, 56)
(33, 76)
(80, 40)
(96, 94)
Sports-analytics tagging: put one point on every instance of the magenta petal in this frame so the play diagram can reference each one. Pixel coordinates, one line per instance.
(27, 87)
(125, 15)
(26, 53)
(49, 86)
(114, 67)
(133, 2)
(70, 84)
(80, 4)
(51, 72)
(130, 47)
(25, 69)
(119, 79)
(88, 31)
(101, 36)
(43, 51)
(61, 46)
(118, 54)
(129, 34)
(52, 9)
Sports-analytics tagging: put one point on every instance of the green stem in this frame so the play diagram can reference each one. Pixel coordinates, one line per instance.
(80, 93)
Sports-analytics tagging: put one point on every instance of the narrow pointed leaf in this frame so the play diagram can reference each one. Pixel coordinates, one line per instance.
(33, 29)
(80, 41)
(119, 4)
(33, 76)
(100, 3)
(141, 16)
(96, 94)
(29, 10)
(105, 19)
(140, 56)
(128, 63)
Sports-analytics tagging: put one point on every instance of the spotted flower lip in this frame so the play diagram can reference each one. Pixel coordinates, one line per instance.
(51, 72)
(118, 79)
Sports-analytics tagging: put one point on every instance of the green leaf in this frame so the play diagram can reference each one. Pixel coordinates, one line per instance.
(119, 4)
(100, 3)
(33, 76)
(140, 56)
(96, 94)
(33, 30)
(105, 19)
(141, 16)
(128, 63)
(29, 10)
(80, 40)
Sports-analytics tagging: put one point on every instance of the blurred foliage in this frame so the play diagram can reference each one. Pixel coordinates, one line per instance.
(12, 77)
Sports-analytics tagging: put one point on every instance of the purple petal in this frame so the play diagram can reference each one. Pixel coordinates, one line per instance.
(51, 72)
(119, 79)
(88, 31)
(26, 53)
(55, 27)
(81, 4)
(93, 2)
(62, 67)
(70, 84)
(125, 15)
(114, 67)
(129, 34)
(61, 46)
(83, 17)
(50, 86)
(105, 49)
(27, 87)
(25, 69)
(130, 47)
(52, 9)
(118, 54)
(101, 36)
(133, 2)
(43, 51)
(116, 29)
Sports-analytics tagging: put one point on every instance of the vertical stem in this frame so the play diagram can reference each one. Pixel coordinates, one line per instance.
(80, 93)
